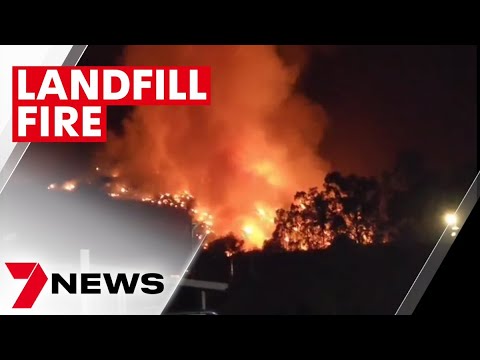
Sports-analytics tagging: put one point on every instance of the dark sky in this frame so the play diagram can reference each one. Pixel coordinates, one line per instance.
(381, 100)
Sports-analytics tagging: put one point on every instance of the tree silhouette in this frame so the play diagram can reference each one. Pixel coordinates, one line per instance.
(225, 246)
(357, 201)
(348, 205)
(364, 210)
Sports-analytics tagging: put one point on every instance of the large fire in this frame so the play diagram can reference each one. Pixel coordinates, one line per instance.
(242, 158)
(347, 207)
(233, 164)
(237, 166)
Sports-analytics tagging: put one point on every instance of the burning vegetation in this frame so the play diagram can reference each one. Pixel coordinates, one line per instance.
(348, 207)
(247, 169)
(235, 165)
(242, 158)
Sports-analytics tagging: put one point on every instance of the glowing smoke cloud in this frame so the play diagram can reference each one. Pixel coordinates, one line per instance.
(244, 156)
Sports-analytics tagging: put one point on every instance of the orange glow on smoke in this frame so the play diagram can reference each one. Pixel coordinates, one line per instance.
(236, 165)
(242, 158)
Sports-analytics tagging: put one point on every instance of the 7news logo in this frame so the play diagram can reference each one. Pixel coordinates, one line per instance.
(89, 283)
(36, 280)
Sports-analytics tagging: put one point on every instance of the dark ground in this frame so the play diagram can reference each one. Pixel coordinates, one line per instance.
(340, 280)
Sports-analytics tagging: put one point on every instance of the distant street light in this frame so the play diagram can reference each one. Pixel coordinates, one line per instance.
(451, 219)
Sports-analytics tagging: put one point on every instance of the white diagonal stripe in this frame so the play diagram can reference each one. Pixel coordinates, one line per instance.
(438, 253)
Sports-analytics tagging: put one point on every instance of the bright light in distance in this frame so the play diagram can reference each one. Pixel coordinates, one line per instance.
(451, 219)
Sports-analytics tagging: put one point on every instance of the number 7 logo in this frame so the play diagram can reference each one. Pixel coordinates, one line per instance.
(36, 280)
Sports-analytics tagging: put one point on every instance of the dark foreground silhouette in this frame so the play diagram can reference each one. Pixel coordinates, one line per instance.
(344, 279)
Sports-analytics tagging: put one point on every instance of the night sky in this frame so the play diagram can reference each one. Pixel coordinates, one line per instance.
(380, 99)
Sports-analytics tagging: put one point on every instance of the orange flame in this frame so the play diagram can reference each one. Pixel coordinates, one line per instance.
(242, 157)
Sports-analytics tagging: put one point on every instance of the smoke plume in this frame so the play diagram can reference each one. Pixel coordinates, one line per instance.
(242, 157)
